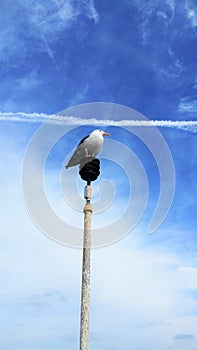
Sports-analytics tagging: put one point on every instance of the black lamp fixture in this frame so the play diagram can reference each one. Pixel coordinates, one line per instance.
(89, 170)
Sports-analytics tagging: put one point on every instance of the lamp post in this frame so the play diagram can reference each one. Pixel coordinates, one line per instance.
(88, 172)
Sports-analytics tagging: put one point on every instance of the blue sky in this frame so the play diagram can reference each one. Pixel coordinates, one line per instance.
(139, 59)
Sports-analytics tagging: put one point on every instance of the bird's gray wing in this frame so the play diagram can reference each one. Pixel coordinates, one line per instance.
(77, 156)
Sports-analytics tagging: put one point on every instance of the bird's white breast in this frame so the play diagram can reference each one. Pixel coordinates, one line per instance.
(93, 144)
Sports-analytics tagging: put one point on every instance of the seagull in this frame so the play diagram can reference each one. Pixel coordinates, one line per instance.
(89, 146)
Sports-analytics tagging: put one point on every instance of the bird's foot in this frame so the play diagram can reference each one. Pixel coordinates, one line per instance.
(89, 156)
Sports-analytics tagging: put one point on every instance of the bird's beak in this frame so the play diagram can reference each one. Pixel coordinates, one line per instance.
(106, 134)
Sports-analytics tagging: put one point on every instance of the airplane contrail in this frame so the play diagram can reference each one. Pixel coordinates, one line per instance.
(21, 117)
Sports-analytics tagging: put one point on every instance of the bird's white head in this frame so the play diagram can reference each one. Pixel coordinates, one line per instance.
(100, 132)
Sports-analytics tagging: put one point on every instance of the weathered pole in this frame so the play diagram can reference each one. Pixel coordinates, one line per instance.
(88, 172)
(85, 290)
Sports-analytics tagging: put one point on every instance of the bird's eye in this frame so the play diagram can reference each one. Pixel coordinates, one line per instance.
(100, 130)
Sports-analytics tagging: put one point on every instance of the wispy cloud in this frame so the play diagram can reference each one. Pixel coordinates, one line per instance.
(189, 125)
(191, 13)
(92, 12)
(42, 22)
(183, 336)
(150, 9)
(28, 82)
(188, 106)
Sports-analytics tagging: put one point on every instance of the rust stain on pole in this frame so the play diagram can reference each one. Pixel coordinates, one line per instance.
(85, 292)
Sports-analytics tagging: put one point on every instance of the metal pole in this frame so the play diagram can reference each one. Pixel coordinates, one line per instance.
(85, 291)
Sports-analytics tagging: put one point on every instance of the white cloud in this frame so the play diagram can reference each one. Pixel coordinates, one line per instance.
(146, 288)
(139, 288)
